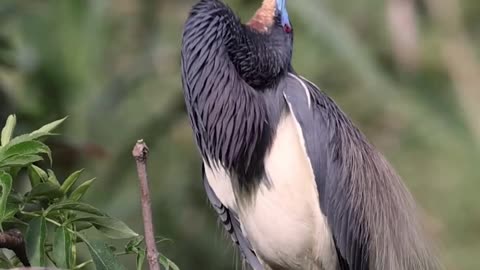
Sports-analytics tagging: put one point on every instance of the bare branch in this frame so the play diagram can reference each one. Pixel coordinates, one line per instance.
(140, 153)
(13, 240)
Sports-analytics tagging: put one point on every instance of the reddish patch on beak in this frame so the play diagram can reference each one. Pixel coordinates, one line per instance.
(287, 28)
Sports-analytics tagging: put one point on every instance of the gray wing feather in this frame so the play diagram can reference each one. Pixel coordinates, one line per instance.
(370, 212)
(232, 225)
(308, 104)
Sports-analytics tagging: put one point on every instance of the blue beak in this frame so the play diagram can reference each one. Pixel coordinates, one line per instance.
(282, 8)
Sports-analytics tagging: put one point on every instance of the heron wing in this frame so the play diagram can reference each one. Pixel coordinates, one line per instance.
(318, 118)
(232, 225)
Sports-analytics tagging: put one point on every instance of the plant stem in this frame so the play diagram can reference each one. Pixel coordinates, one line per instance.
(49, 220)
(140, 153)
(80, 266)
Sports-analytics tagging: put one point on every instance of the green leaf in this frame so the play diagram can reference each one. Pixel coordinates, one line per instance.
(78, 193)
(10, 212)
(81, 225)
(15, 198)
(35, 241)
(62, 248)
(110, 227)
(38, 173)
(28, 137)
(37, 134)
(16, 222)
(34, 178)
(20, 160)
(5, 262)
(102, 256)
(75, 206)
(7, 131)
(48, 127)
(70, 181)
(45, 190)
(14, 171)
(24, 149)
(134, 243)
(140, 259)
(52, 178)
(167, 263)
(6, 187)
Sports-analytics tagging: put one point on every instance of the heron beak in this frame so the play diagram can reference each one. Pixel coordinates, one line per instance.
(281, 5)
(282, 9)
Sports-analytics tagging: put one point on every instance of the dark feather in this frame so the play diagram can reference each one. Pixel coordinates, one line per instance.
(226, 89)
(221, 105)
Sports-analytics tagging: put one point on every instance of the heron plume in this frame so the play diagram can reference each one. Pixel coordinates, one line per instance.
(264, 16)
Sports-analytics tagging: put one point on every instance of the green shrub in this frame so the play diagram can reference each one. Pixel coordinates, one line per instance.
(51, 216)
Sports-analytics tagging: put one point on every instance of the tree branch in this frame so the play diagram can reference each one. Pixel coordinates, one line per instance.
(13, 240)
(140, 153)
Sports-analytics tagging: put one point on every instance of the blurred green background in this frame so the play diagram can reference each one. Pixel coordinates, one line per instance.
(406, 71)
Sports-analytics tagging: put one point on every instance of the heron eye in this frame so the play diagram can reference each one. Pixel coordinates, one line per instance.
(287, 28)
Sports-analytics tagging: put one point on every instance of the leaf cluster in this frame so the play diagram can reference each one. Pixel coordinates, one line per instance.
(51, 214)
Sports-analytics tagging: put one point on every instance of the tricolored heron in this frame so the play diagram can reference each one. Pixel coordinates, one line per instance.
(295, 183)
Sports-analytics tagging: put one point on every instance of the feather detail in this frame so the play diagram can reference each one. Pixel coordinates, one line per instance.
(264, 17)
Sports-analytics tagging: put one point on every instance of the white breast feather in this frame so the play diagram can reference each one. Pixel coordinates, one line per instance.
(284, 222)
(220, 181)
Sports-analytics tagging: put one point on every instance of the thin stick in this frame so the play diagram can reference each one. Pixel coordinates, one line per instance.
(140, 153)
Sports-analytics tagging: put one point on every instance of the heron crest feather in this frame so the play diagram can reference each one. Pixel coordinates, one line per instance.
(264, 16)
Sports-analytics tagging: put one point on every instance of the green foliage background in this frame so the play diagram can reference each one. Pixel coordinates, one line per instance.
(113, 67)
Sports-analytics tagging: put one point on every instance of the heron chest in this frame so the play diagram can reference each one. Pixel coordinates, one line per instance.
(282, 220)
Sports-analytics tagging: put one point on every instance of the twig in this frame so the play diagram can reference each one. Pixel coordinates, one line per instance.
(13, 240)
(140, 153)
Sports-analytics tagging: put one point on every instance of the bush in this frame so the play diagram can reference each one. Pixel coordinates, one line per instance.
(51, 215)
